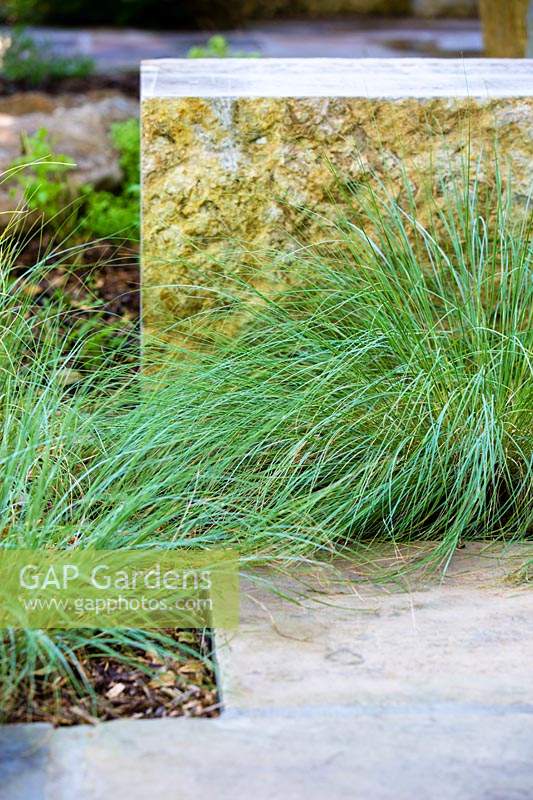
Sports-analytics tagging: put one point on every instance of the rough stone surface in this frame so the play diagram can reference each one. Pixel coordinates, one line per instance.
(78, 126)
(226, 177)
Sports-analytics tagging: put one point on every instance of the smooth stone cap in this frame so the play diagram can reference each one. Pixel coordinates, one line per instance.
(384, 78)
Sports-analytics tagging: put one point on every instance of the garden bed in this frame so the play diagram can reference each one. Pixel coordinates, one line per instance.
(98, 292)
(139, 686)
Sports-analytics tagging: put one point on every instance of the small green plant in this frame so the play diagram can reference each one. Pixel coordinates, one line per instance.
(94, 213)
(218, 47)
(108, 214)
(42, 175)
(126, 138)
(26, 61)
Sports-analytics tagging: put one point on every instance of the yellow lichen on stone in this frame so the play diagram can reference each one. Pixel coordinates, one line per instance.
(228, 181)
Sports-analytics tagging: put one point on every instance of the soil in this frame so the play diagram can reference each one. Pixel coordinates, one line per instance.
(125, 82)
(140, 688)
(103, 276)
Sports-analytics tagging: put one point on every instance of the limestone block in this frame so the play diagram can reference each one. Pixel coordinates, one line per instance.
(235, 150)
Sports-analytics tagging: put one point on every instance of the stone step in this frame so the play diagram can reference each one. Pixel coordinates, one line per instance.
(429, 753)
(322, 636)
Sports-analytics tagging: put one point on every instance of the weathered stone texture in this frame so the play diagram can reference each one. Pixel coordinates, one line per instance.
(227, 178)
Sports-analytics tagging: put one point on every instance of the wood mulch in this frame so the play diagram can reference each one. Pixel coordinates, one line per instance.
(140, 687)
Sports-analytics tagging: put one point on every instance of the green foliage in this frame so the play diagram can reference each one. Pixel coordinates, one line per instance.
(218, 47)
(24, 11)
(388, 398)
(106, 214)
(42, 174)
(26, 61)
(167, 15)
(61, 383)
(93, 213)
(147, 13)
(126, 139)
(151, 14)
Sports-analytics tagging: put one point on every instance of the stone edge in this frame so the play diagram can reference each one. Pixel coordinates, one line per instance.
(367, 78)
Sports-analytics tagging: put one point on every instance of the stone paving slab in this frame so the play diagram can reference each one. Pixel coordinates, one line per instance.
(23, 760)
(466, 639)
(354, 692)
(359, 37)
(411, 753)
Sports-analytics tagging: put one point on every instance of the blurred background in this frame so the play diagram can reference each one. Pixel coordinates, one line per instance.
(118, 35)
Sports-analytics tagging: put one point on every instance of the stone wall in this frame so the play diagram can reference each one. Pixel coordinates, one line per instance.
(226, 175)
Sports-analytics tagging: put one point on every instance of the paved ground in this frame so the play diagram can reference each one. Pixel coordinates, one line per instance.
(344, 692)
(466, 640)
(351, 38)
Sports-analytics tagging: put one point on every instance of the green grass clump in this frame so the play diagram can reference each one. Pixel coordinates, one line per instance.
(59, 394)
(388, 398)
